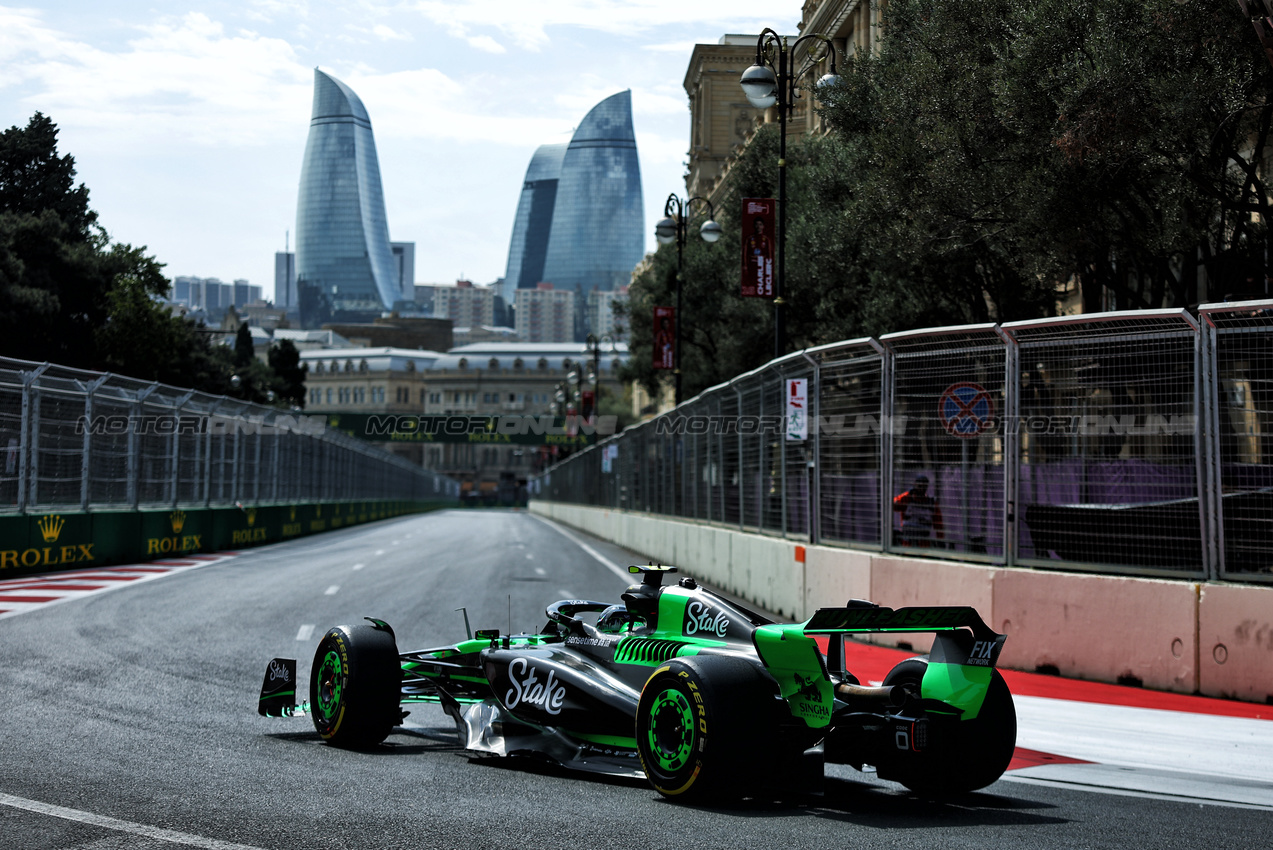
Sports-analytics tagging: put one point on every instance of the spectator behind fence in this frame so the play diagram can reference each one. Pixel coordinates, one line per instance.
(921, 515)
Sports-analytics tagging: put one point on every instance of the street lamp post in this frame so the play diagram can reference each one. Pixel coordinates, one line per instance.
(674, 227)
(593, 343)
(769, 82)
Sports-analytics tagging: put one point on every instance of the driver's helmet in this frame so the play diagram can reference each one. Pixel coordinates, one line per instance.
(614, 618)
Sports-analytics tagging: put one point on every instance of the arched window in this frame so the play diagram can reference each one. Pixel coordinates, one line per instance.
(349, 365)
(543, 363)
(518, 363)
(318, 368)
(494, 363)
(566, 363)
(464, 362)
(410, 365)
(362, 366)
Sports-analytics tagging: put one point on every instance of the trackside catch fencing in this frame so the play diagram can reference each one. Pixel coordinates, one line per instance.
(79, 440)
(1134, 443)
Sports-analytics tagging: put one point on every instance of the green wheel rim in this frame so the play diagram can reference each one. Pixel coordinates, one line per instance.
(329, 685)
(671, 732)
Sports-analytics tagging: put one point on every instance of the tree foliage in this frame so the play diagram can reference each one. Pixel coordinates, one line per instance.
(69, 295)
(985, 152)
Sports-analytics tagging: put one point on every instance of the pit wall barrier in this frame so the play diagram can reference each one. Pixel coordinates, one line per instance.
(1191, 637)
(63, 540)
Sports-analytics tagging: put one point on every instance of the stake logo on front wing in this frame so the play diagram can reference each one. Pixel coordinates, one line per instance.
(548, 695)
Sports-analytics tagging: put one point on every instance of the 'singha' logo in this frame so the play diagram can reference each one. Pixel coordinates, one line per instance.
(178, 520)
(251, 512)
(293, 514)
(51, 527)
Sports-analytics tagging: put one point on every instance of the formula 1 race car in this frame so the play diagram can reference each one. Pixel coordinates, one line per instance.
(703, 697)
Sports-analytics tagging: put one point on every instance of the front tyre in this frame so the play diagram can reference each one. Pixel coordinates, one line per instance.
(355, 685)
(703, 723)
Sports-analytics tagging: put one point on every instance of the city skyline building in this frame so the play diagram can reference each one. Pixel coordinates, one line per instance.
(528, 247)
(466, 305)
(345, 266)
(545, 314)
(285, 282)
(211, 295)
(579, 221)
(404, 265)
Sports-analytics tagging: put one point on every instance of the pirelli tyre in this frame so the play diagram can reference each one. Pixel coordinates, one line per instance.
(704, 727)
(355, 685)
(978, 755)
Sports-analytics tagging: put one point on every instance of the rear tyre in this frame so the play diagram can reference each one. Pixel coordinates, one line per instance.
(355, 686)
(705, 725)
(978, 755)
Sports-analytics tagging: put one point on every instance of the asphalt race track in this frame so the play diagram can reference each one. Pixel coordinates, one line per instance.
(130, 722)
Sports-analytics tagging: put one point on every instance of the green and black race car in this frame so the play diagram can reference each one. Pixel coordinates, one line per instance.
(696, 693)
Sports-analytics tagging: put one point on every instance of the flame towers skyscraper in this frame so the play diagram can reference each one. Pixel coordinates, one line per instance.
(345, 269)
(579, 221)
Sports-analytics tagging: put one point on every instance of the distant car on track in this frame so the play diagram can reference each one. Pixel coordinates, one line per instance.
(704, 698)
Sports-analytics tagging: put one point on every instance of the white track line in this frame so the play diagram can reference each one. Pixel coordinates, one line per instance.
(305, 632)
(602, 559)
(331, 591)
(144, 830)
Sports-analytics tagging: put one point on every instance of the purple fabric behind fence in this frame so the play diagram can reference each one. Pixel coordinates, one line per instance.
(1114, 482)
(851, 507)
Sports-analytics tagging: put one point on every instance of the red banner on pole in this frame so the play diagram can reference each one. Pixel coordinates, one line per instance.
(664, 337)
(758, 247)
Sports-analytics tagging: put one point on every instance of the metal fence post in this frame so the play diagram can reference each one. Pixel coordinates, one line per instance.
(278, 444)
(207, 456)
(813, 464)
(887, 431)
(780, 415)
(86, 448)
(235, 474)
(178, 407)
(742, 513)
(133, 464)
(1207, 439)
(29, 440)
(1011, 443)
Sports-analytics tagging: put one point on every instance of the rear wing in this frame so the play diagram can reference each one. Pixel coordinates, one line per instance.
(954, 645)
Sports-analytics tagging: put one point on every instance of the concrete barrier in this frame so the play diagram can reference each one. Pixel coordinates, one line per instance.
(1235, 642)
(1099, 627)
(1214, 638)
(899, 582)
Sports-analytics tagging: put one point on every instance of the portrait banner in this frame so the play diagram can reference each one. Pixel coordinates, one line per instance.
(758, 247)
(664, 337)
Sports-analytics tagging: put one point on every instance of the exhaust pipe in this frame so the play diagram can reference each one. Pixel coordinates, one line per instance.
(861, 697)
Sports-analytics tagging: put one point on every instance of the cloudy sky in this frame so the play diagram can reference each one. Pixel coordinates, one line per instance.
(188, 121)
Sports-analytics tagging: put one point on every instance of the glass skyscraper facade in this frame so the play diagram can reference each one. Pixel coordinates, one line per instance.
(345, 268)
(529, 245)
(580, 217)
